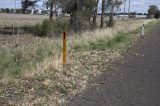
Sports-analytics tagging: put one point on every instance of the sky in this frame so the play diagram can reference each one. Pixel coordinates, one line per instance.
(136, 5)
(141, 5)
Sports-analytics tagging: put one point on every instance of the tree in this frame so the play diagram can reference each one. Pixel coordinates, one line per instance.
(51, 9)
(80, 12)
(114, 4)
(11, 10)
(49, 4)
(129, 6)
(132, 14)
(27, 3)
(157, 15)
(110, 24)
(7, 10)
(91, 10)
(18, 11)
(95, 13)
(103, 13)
(153, 9)
(124, 9)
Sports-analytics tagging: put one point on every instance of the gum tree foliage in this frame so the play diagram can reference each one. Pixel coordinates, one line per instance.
(27, 3)
(83, 13)
(157, 15)
(50, 4)
(153, 11)
(114, 6)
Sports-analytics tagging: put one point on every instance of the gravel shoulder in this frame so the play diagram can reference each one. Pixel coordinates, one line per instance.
(133, 81)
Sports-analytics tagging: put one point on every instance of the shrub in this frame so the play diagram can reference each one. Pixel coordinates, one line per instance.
(42, 29)
(52, 27)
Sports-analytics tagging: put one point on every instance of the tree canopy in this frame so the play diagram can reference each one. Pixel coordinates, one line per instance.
(153, 11)
(27, 3)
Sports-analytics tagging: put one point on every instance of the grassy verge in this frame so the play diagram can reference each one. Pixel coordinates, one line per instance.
(16, 60)
(103, 44)
(25, 58)
(45, 81)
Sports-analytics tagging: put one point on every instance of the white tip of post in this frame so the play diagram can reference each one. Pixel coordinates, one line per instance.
(142, 30)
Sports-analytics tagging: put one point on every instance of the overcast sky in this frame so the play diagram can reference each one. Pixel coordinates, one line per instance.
(136, 5)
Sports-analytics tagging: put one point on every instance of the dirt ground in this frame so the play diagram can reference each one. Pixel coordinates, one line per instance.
(131, 82)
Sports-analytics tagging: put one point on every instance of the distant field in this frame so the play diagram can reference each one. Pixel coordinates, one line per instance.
(20, 19)
(17, 20)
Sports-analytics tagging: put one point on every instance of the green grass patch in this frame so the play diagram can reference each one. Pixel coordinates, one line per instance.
(103, 44)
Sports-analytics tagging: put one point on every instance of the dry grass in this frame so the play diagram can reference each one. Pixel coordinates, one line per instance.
(81, 41)
(49, 83)
(7, 20)
(11, 41)
(120, 26)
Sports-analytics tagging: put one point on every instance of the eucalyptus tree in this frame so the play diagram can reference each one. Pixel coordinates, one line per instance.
(103, 13)
(27, 3)
(114, 4)
(129, 6)
(153, 11)
(95, 13)
(49, 4)
(81, 12)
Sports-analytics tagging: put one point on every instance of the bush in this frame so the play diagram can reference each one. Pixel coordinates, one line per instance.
(132, 15)
(42, 29)
(52, 27)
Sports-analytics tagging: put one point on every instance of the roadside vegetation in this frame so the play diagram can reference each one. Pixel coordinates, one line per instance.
(31, 70)
(20, 58)
(33, 73)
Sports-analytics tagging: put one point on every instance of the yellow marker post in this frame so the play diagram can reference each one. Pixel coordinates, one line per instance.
(64, 48)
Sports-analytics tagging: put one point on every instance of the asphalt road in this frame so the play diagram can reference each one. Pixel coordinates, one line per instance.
(134, 82)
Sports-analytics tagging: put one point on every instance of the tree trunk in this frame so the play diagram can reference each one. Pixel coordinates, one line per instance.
(89, 20)
(95, 14)
(51, 11)
(24, 6)
(111, 15)
(129, 9)
(124, 9)
(74, 17)
(103, 14)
